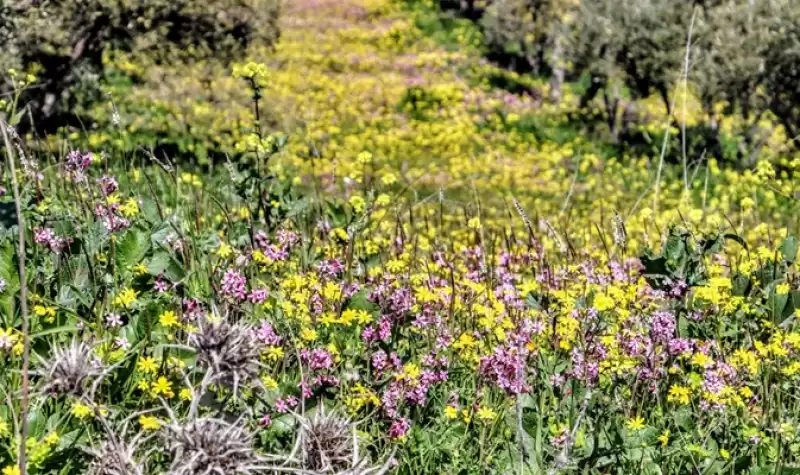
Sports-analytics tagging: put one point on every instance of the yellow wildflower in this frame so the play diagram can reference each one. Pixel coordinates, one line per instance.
(147, 364)
(678, 394)
(169, 319)
(308, 334)
(486, 414)
(635, 424)
(664, 438)
(603, 302)
(126, 298)
(149, 423)
(185, 394)
(162, 387)
(81, 410)
(225, 250)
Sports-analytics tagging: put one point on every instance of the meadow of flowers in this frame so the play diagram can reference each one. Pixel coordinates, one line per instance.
(376, 262)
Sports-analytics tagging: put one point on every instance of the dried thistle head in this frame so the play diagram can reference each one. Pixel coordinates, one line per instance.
(230, 352)
(209, 446)
(329, 445)
(112, 458)
(327, 442)
(70, 369)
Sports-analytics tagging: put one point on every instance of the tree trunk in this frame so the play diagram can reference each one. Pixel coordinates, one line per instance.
(612, 106)
(664, 93)
(557, 60)
(713, 123)
(590, 93)
(629, 116)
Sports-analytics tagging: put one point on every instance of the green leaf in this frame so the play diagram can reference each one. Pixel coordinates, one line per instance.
(675, 249)
(655, 266)
(165, 264)
(297, 207)
(740, 285)
(711, 246)
(360, 301)
(150, 210)
(132, 248)
(532, 303)
(789, 249)
(16, 118)
(8, 272)
(54, 331)
(776, 304)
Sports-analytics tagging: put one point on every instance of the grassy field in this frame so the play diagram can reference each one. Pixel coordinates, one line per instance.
(369, 250)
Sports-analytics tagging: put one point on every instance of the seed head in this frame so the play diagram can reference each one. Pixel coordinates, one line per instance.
(230, 352)
(618, 226)
(521, 212)
(114, 459)
(209, 446)
(327, 442)
(70, 369)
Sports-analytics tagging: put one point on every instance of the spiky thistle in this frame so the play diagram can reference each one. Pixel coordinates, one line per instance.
(329, 445)
(210, 446)
(327, 442)
(113, 457)
(70, 370)
(230, 352)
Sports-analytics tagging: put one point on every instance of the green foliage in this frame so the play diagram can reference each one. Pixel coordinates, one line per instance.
(681, 259)
(639, 42)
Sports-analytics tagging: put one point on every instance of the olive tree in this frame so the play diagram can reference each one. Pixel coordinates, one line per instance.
(530, 34)
(638, 45)
(782, 70)
(744, 64)
(510, 29)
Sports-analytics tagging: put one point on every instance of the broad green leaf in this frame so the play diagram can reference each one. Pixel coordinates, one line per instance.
(163, 263)
(132, 248)
(789, 249)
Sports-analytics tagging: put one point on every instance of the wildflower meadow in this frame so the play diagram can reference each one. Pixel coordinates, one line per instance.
(374, 237)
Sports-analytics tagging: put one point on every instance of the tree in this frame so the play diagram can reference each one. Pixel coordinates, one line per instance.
(744, 62)
(510, 29)
(67, 39)
(638, 44)
(782, 70)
